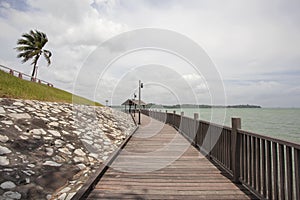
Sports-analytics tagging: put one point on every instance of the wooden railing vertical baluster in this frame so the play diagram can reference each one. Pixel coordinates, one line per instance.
(245, 159)
(263, 165)
(269, 170)
(196, 127)
(282, 171)
(235, 139)
(289, 172)
(242, 158)
(250, 160)
(275, 170)
(297, 172)
(258, 174)
(254, 162)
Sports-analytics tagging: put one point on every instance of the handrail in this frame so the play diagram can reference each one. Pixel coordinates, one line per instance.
(267, 166)
(23, 76)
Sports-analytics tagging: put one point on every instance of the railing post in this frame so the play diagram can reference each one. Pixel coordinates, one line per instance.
(235, 151)
(196, 126)
(174, 113)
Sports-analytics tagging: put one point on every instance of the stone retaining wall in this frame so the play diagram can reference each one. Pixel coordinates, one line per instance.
(48, 150)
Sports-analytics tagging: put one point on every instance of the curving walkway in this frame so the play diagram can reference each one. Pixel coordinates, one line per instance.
(158, 163)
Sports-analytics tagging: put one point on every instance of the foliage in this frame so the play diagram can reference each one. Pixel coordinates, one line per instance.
(31, 46)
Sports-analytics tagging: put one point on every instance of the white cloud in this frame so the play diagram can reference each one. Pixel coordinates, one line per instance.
(255, 44)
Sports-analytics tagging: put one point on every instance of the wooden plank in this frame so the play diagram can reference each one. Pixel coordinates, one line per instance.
(189, 176)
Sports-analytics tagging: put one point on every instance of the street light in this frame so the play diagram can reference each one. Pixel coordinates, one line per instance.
(140, 87)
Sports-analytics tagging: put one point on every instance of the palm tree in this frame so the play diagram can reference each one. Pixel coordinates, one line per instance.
(31, 47)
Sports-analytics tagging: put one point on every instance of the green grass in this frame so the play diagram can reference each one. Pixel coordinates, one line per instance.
(13, 87)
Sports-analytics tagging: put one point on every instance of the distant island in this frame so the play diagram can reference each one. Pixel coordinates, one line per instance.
(178, 106)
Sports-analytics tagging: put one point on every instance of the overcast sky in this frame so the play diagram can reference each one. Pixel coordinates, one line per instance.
(254, 45)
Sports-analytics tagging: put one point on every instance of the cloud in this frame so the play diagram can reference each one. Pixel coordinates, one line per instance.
(254, 44)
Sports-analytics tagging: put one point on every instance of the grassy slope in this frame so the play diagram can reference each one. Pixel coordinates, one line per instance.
(13, 87)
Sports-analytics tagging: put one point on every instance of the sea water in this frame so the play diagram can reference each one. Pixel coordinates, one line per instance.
(281, 123)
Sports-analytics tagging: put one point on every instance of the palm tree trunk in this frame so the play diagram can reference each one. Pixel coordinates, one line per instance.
(34, 66)
(33, 71)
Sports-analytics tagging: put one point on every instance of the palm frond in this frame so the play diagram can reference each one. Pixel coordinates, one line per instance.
(47, 54)
(30, 46)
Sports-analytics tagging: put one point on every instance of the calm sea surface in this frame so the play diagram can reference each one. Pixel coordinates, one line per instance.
(282, 123)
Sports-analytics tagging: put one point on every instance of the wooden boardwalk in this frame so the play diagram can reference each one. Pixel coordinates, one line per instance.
(158, 163)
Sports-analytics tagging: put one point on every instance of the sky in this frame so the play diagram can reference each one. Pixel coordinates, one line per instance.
(248, 51)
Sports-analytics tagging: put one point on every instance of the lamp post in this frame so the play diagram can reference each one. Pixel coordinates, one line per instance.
(140, 87)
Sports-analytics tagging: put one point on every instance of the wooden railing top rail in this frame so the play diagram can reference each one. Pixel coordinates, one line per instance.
(279, 141)
(22, 75)
(268, 138)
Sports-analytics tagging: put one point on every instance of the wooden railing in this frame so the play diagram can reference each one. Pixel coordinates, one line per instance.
(24, 76)
(268, 167)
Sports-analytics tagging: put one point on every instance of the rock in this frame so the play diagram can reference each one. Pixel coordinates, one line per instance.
(65, 132)
(66, 189)
(2, 111)
(49, 151)
(18, 104)
(58, 143)
(90, 142)
(40, 115)
(70, 146)
(48, 138)
(31, 165)
(8, 122)
(3, 138)
(70, 195)
(55, 133)
(79, 152)
(38, 131)
(23, 137)
(11, 195)
(78, 159)
(77, 132)
(53, 119)
(19, 115)
(8, 185)
(81, 166)
(36, 136)
(52, 163)
(104, 157)
(18, 128)
(54, 124)
(62, 196)
(30, 109)
(4, 150)
(65, 150)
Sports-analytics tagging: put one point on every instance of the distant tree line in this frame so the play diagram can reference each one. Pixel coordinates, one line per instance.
(178, 106)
